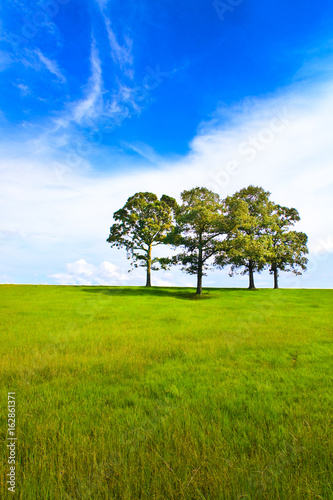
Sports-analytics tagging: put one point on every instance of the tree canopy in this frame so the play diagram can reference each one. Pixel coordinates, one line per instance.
(247, 231)
(247, 244)
(288, 248)
(199, 228)
(143, 223)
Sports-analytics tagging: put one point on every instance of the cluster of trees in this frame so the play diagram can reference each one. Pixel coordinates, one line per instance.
(247, 231)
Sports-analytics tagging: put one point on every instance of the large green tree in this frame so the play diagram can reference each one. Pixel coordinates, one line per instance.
(247, 244)
(288, 248)
(143, 223)
(199, 231)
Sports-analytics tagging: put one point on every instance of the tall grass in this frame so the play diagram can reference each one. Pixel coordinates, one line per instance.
(131, 393)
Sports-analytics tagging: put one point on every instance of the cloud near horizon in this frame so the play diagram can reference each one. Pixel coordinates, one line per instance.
(83, 273)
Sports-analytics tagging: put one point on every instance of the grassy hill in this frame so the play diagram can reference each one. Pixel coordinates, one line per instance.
(132, 393)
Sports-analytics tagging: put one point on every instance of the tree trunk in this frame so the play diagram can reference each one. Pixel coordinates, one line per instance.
(276, 277)
(251, 277)
(148, 281)
(199, 277)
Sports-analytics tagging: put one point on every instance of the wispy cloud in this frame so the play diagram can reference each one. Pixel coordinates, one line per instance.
(25, 90)
(145, 151)
(121, 54)
(5, 60)
(51, 66)
(90, 106)
(86, 110)
(122, 103)
(102, 4)
(100, 106)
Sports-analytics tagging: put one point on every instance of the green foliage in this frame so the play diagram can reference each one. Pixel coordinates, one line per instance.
(246, 230)
(199, 229)
(288, 248)
(262, 236)
(142, 223)
(247, 244)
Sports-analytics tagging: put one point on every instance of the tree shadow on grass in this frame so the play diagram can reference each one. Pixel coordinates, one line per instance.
(175, 292)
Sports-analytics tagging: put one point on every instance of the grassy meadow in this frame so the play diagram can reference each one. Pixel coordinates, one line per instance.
(133, 393)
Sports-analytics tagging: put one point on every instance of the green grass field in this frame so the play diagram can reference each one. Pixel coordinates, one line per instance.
(133, 393)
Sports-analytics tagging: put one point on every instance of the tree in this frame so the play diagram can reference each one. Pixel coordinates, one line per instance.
(199, 229)
(247, 244)
(288, 248)
(143, 223)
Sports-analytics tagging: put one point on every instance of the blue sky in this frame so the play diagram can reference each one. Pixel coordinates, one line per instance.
(100, 99)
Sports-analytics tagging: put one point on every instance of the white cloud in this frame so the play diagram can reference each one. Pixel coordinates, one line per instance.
(145, 151)
(102, 4)
(51, 66)
(167, 283)
(322, 246)
(111, 272)
(121, 54)
(83, 273)
(93, 108)
(90, 106)
(23, 88)
(5, 60)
